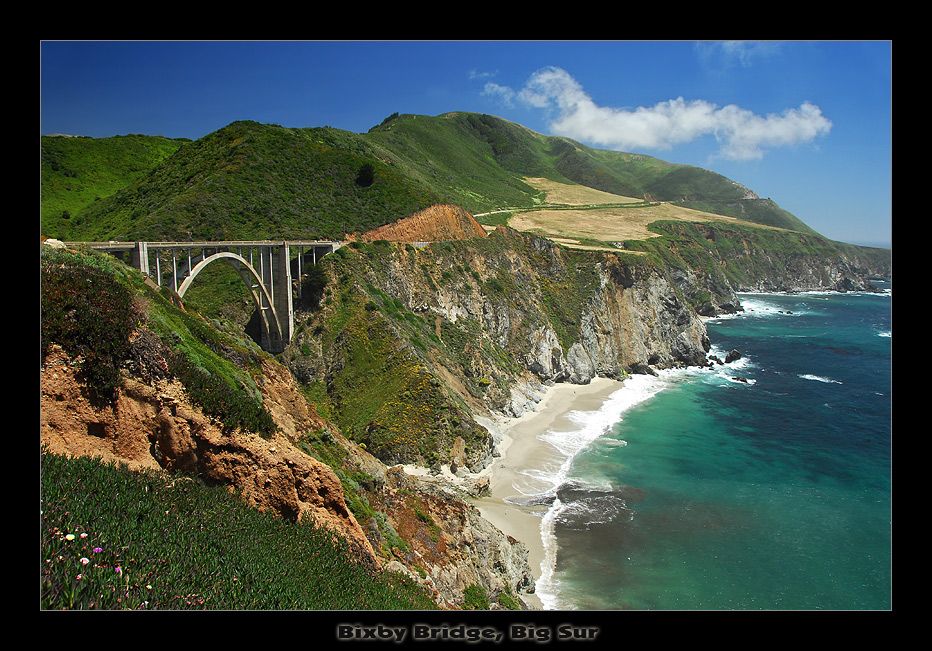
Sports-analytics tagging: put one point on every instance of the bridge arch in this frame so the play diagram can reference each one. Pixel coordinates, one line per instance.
(272, 331)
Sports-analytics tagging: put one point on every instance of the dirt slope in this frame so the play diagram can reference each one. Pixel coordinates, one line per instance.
(433, 224)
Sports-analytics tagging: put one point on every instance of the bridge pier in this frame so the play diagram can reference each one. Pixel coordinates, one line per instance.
(280, 282)
(140, 257)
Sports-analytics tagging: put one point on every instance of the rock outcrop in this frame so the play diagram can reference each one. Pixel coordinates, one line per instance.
(451, 547)
(486, 323)
(505, 314)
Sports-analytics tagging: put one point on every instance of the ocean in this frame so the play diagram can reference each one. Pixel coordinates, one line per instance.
(692, 490)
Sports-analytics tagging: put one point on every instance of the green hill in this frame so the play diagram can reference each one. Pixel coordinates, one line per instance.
(476, 159)
(78, 171)
(249, 180)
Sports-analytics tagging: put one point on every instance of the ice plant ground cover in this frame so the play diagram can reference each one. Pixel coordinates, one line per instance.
(116, 539)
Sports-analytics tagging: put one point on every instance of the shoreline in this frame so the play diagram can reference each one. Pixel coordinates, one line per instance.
(820, 292)
(524, 454)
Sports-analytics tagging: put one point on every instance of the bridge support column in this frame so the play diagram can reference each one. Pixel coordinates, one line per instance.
(280, 273)
(140, 257)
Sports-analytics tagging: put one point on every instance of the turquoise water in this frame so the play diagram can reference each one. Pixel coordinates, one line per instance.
(719, 495)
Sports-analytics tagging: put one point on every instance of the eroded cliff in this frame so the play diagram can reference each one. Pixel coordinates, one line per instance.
(409, 340)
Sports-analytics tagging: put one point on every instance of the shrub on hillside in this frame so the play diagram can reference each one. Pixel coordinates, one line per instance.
(90, 315)
(475, 597)
(235, 408)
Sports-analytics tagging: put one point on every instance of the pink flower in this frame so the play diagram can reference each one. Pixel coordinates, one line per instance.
(84, 535)
(118, 570)
(97, 550)
(85, 560)
(79, 577)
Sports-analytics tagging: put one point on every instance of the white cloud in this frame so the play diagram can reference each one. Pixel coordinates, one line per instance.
(730, 53)
(505, 94)
(742, 134)
(746, 51)
(477, 74)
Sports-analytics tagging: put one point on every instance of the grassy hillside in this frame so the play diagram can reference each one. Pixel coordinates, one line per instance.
(249, 180)
(78, 171)
(473, 161)
(146, 551)
(378, 387)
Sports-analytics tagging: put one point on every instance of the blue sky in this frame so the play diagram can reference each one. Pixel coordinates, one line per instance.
(807, 124)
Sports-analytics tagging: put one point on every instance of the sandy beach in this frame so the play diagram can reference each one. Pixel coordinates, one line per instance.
(522, 452)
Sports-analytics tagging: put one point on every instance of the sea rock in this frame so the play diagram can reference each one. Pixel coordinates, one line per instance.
(477, 487)
(732, 356)
(640, 368)
(716, 359)
(846, 284)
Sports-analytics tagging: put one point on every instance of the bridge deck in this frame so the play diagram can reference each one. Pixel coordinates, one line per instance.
(202, 244)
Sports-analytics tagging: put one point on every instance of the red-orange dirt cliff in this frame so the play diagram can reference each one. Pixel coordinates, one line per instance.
(433, 224)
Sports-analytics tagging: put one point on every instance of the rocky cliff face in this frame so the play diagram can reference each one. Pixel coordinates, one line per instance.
(550, 314)
(708, 264)
(466, 327)
(450, 546)
(845, 272)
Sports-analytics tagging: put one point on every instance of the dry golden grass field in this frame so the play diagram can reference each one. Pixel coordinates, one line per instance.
(609, 224)
(575, 195)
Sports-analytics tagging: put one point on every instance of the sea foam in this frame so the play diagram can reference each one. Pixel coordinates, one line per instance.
(754, 306)
(819, 378)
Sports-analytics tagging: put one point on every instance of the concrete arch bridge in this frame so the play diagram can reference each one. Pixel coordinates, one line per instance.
(264, 265)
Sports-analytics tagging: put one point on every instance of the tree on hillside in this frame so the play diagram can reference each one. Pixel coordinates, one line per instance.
(366, 176)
